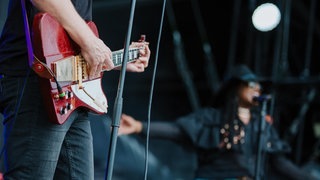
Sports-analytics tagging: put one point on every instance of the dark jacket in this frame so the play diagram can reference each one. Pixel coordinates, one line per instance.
(205, 131)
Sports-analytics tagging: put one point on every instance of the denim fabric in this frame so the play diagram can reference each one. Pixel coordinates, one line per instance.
(35, 148)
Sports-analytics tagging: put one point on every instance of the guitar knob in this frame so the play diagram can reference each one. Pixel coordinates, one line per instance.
(63, 110)
(70, 94)
(69, 106)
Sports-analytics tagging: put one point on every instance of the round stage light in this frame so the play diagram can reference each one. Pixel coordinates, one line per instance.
(266, 17)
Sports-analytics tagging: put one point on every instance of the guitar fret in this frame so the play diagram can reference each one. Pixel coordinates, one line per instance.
(117, 56)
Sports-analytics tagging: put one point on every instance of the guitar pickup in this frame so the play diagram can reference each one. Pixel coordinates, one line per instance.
(72, 68)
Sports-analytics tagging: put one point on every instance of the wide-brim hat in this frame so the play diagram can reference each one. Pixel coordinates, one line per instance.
(237, 74)
(241, 72)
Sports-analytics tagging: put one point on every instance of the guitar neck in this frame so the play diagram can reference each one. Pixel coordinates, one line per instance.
(117, 56)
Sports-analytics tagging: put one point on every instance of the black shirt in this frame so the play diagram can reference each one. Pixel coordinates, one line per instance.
(13, 49)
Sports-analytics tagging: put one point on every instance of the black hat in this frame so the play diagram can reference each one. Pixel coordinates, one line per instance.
(241, 72)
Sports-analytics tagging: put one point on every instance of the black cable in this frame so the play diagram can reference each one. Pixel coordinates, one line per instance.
(151, 91)
(59, 88)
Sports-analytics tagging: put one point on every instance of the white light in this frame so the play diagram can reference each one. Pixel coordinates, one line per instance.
(266, 17)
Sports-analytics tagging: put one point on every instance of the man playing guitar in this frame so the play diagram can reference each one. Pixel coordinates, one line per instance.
(36, 147)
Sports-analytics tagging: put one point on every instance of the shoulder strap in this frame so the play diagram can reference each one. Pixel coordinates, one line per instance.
(27, 32)
(37, 65)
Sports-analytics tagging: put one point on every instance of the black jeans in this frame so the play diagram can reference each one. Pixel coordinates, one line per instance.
(34, 147)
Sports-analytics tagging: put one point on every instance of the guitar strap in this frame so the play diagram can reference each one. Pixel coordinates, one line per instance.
(27, 32)
(39, 67)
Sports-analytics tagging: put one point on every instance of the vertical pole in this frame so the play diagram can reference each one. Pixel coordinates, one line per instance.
(285, 42)
(305, 74)
(3, 12)
(234, 34)
(180, 59)
(212, 75)
(250, 35)
(312, 14)
(261, 136)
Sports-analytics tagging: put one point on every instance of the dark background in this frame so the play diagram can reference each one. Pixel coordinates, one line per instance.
(286, 57)
(186, 76)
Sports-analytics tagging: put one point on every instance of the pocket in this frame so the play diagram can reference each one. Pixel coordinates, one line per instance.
(9, 96)
(9, 90)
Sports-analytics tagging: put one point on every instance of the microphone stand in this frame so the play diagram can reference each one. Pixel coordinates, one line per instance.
(262, 125)
(118, 101)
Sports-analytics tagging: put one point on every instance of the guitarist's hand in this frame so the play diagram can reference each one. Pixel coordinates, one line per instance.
(98, 57)
(94, 51)
(140, 64)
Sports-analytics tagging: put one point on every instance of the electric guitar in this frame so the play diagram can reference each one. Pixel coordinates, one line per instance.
(65, 85)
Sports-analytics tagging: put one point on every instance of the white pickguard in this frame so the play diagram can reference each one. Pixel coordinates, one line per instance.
(93, 88)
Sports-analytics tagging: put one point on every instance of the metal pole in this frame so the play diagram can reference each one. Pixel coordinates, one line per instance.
(3, 12)
(285, 41)
(180, 59)
(119, 100)
(233, 35)
(211, 69)
(261, 141)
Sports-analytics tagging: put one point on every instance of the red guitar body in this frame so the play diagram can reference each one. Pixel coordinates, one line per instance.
(52, 45)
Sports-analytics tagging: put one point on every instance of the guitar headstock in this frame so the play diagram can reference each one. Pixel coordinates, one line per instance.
(143, 40)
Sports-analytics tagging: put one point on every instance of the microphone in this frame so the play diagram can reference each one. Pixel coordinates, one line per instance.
(265, 97)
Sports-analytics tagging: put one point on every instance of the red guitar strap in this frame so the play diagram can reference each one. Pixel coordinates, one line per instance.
(40, 68)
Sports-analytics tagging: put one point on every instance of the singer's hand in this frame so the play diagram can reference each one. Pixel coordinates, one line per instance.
(129, 125)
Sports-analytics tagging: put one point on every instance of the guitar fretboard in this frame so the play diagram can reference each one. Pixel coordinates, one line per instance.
(117, 56)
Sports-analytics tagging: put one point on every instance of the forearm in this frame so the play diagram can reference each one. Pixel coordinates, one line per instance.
(65, 13)
(164, 130)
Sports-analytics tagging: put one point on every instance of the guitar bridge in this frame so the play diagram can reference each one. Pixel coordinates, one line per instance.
(70, 69)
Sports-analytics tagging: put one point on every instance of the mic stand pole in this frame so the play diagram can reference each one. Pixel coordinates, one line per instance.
(262, 125)
(118, 101)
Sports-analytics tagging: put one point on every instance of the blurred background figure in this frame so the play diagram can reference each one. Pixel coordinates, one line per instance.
(230, 138)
